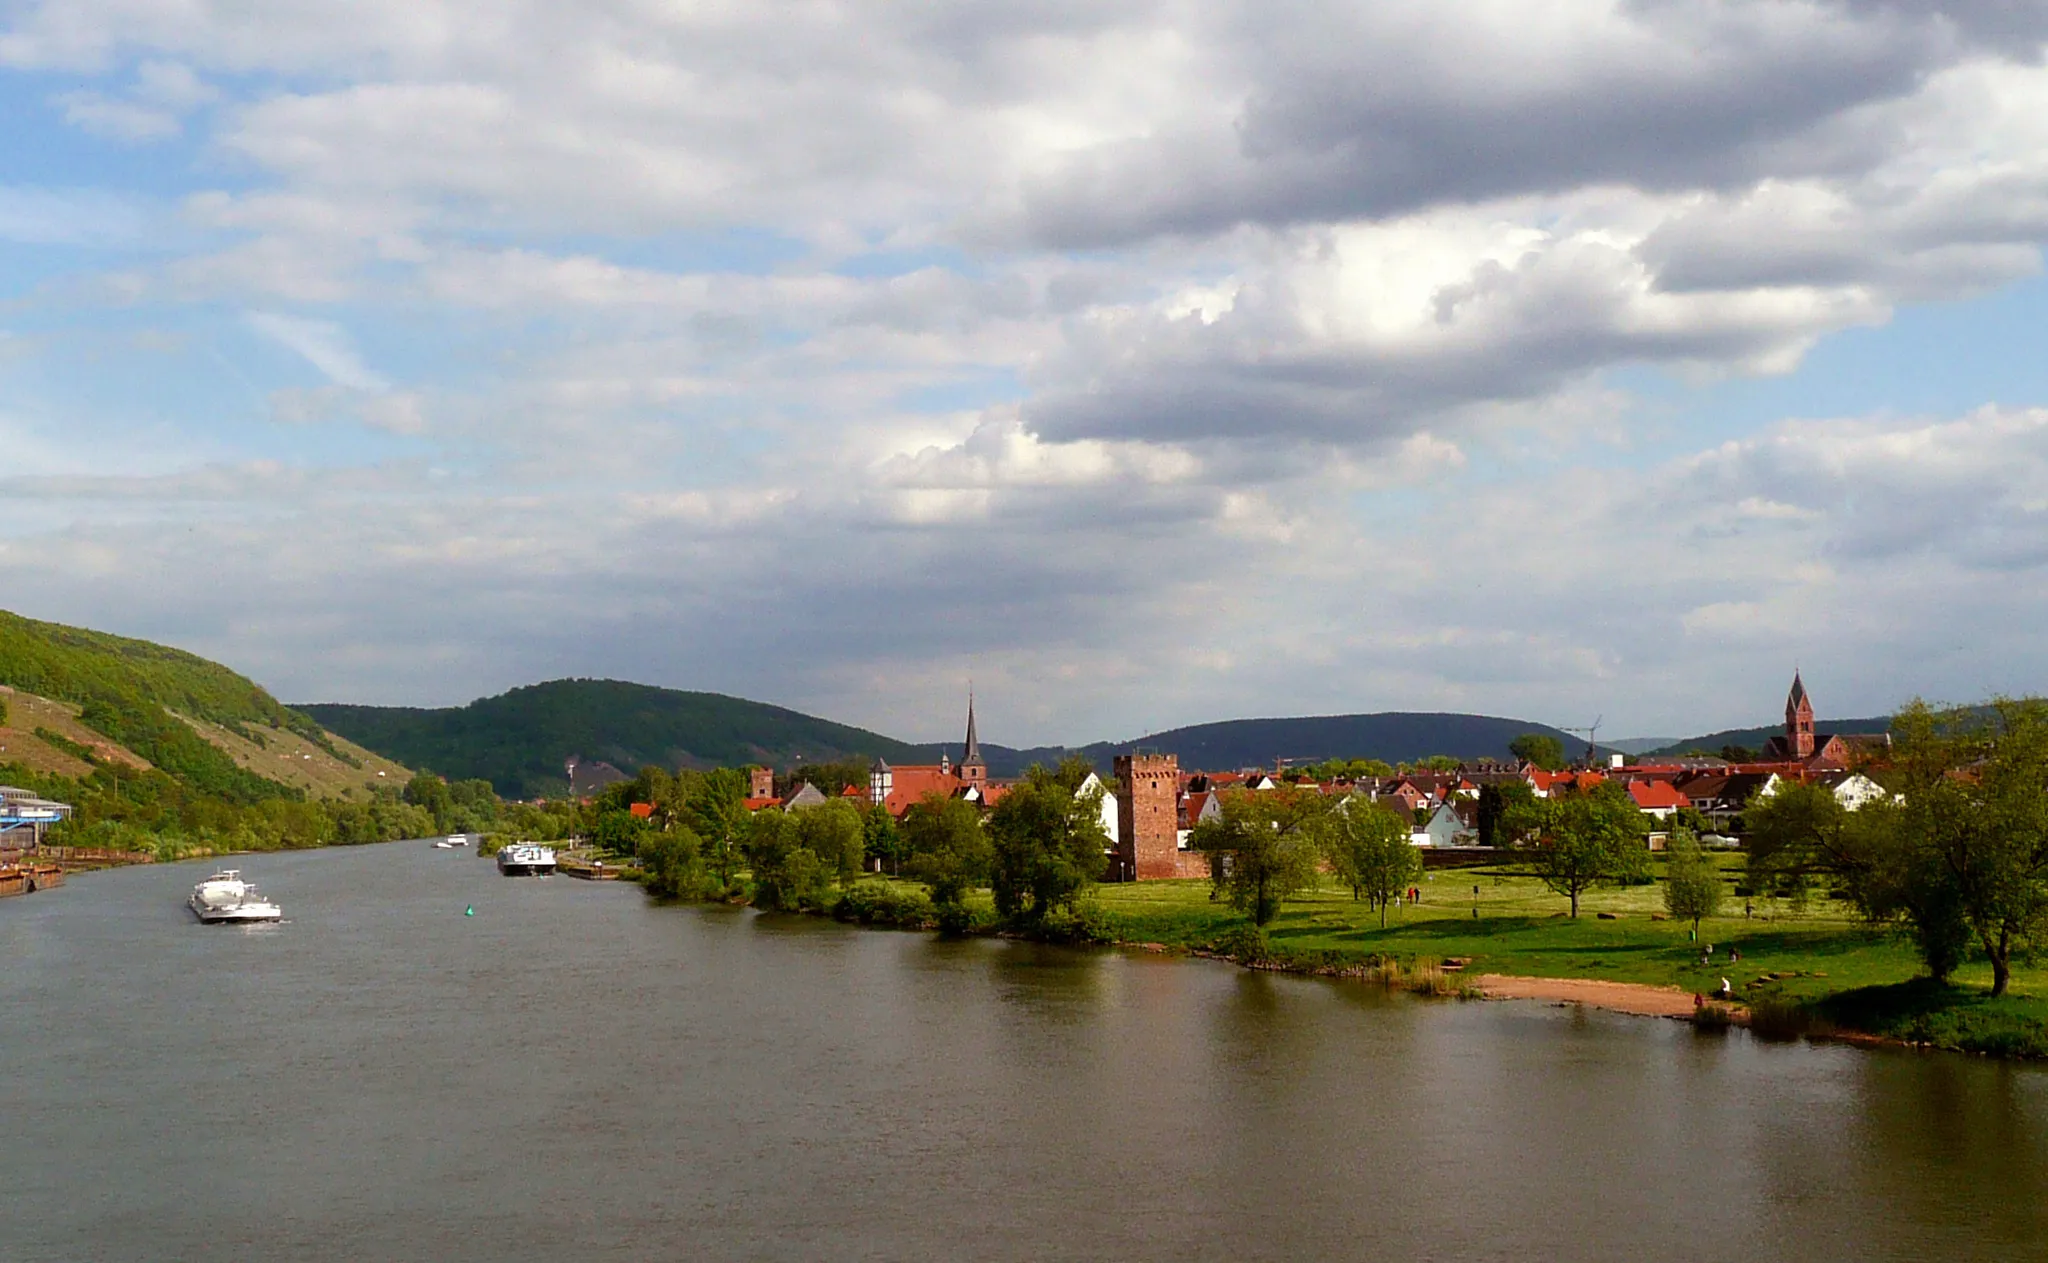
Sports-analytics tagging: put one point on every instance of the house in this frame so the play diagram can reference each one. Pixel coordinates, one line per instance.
(1195, 809)
(1093, 785)
(1445, 827)
(1853, 790)
(806, 795)
(1721, 796)
(1657, 799)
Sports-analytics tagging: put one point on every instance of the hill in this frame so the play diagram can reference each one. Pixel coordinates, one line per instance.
(520, 740)
(1391, 736)
(1754, 738)
(76, 699)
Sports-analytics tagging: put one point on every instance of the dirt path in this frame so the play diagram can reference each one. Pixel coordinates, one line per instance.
(1622, 997)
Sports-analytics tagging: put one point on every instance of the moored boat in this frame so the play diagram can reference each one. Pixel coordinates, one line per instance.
(225, 897)
(526, 859)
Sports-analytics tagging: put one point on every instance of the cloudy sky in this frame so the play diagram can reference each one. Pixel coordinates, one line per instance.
(1148, 363)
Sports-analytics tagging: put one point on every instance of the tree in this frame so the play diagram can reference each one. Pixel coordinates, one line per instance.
(1960, 854)
(1046, 842)
(716, 811)
(1496, 803)
(1738, 754)
(429, 791)
(787, 874)
(949, 849)
(881, 842)
(1582, 840)
(1264, 848)
(1542, 749)
(1692, 886)
(674, 863)
(834, 833)
(1369, 849)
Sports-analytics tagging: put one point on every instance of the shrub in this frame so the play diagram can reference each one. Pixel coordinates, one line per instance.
(884, 903)
(1245, 943)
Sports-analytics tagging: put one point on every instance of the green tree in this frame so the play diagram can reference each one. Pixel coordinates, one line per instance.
(834, 833)
(1737, 754)
(788, 876)
(674, 863)
(948, 848)
(1542, 749)
(882, 842)
(1960, 855)
(1582, 840)
(1265, 847)
(1692, 886)
(1370, 851)
(430, 792)
(1498, 803)
(716, 811)
(1046, 842)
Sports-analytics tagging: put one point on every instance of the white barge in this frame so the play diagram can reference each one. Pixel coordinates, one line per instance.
(225, 897)
(526, 859)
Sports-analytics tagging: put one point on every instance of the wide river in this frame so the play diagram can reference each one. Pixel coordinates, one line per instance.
(572, 1073)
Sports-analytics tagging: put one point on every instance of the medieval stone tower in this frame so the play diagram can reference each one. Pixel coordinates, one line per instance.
(1147, 816)
(1799, 720)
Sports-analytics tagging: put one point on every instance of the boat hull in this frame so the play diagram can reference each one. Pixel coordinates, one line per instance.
(233, 914)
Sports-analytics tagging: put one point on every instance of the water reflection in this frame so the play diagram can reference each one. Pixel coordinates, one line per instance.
(576, 1073)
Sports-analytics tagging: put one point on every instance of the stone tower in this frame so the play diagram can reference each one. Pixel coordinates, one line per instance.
(972, 769)
(760, 782)
(1147, 816)
(1799, 720)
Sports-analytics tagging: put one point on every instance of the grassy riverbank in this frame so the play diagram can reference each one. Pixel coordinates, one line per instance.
(1805, 969)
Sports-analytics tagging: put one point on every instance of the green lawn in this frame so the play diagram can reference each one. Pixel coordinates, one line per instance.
(1522, 928)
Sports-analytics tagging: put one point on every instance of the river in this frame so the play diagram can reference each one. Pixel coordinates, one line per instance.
(575, 1073)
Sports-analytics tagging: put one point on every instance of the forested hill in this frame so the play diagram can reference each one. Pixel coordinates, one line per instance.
(1755, 738)
(1391, 736)
(520, 740)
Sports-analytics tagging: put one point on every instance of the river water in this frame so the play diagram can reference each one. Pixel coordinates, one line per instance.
(574, 1073)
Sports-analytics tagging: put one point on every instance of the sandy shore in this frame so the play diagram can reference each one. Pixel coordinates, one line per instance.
(1622, 997)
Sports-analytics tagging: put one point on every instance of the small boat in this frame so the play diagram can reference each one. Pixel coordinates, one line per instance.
(526, 859)
(225, 897)
(452, 841)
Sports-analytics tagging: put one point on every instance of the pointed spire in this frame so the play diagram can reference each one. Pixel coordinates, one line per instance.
(973, 751)
(1798, 693)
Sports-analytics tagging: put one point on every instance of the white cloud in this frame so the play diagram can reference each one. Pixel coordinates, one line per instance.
(324, 344)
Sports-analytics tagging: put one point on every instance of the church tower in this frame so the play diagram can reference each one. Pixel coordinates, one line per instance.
(1799, 720)
(972, 769)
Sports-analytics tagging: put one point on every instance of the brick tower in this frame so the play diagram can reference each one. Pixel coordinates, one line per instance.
(1147, 816)
(1799, 720)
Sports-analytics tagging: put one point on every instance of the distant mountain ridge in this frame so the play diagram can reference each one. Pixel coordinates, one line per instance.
(520, 740)
(1755, 738)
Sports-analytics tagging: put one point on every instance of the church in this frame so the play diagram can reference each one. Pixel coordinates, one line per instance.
(900, 788)
(1818, 751)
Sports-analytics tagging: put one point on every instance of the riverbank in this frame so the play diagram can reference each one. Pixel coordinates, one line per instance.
(1790, 971)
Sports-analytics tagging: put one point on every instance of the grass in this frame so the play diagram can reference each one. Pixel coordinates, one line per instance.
(1803, 970)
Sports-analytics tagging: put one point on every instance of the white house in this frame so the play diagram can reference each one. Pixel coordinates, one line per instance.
(1109, 826)
(1444, 828)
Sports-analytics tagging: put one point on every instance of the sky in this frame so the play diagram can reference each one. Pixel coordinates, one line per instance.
(1142, 364)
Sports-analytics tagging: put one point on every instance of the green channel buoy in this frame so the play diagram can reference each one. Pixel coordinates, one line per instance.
(470, 911)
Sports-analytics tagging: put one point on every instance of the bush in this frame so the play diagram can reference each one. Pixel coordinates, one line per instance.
(1083, 923)
(1245, 943)
(885, 903)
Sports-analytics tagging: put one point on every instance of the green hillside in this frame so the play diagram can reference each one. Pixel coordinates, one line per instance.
(127, 688)
(520, 740)
(1755, 738)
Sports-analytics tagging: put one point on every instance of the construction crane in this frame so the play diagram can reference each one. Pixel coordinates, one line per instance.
(1591, 732)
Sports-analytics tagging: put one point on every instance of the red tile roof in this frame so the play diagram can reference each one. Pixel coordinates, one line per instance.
(1656, 795)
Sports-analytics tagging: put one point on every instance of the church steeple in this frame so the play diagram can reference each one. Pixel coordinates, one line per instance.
(971, 767)
(1799, 719)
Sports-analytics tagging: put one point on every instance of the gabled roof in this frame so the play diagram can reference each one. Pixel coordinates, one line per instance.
(1656, 795)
